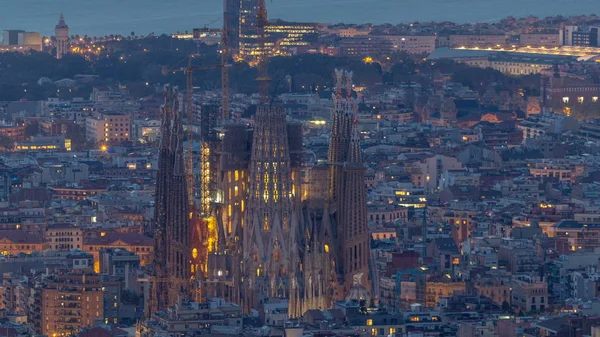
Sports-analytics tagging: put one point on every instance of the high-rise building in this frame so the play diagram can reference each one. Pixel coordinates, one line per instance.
(61, 34)
(232, 24)
(171, 219)
(248, 35)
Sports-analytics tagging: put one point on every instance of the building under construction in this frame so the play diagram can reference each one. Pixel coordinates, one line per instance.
(171, 273)
(204, 226)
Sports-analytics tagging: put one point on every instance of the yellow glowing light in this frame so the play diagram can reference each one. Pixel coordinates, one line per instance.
(211, 224)
(103, 148)
(195, 253)
(368, 59)
(326, 248)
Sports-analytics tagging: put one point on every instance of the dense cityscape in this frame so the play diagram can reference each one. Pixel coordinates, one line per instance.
(274, 178)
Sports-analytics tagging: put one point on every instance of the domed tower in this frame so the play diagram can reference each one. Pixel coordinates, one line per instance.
(61, 33)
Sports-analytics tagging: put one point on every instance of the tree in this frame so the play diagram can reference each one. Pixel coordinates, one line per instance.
(533, 106)
(6, 143)
(32, 129)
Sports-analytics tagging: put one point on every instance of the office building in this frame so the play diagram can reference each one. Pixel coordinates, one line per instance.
(579, 36)
(291, 38)
(248, 39)
(21, 41)
(108, 128)
(232, 25)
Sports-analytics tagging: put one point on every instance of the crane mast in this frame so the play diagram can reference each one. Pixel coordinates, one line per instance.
(225, 66)
(189, 107)
(263, 61)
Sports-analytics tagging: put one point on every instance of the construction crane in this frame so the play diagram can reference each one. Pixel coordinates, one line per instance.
(189, 106)
(263, 61)
(201, 219)
(225, 52)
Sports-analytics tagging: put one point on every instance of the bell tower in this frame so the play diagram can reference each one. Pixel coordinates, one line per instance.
(61, 33)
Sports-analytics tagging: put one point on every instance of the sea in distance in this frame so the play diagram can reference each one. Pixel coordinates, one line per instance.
(104, 17)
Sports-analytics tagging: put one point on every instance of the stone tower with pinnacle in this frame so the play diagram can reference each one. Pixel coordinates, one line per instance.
(270, 250)
(347, 191)
(61, 34)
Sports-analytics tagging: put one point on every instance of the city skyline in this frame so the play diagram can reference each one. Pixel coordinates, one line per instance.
(161, 17)
(294, 179)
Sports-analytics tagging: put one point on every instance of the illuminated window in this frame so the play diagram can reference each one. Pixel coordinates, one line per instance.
(326, 248)
(595, 99)
(194, 253)
(374, 331)
(580, 99)
(415, 319)
(392, 331)
(455, 260)
(565, 100)
(369, 322)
